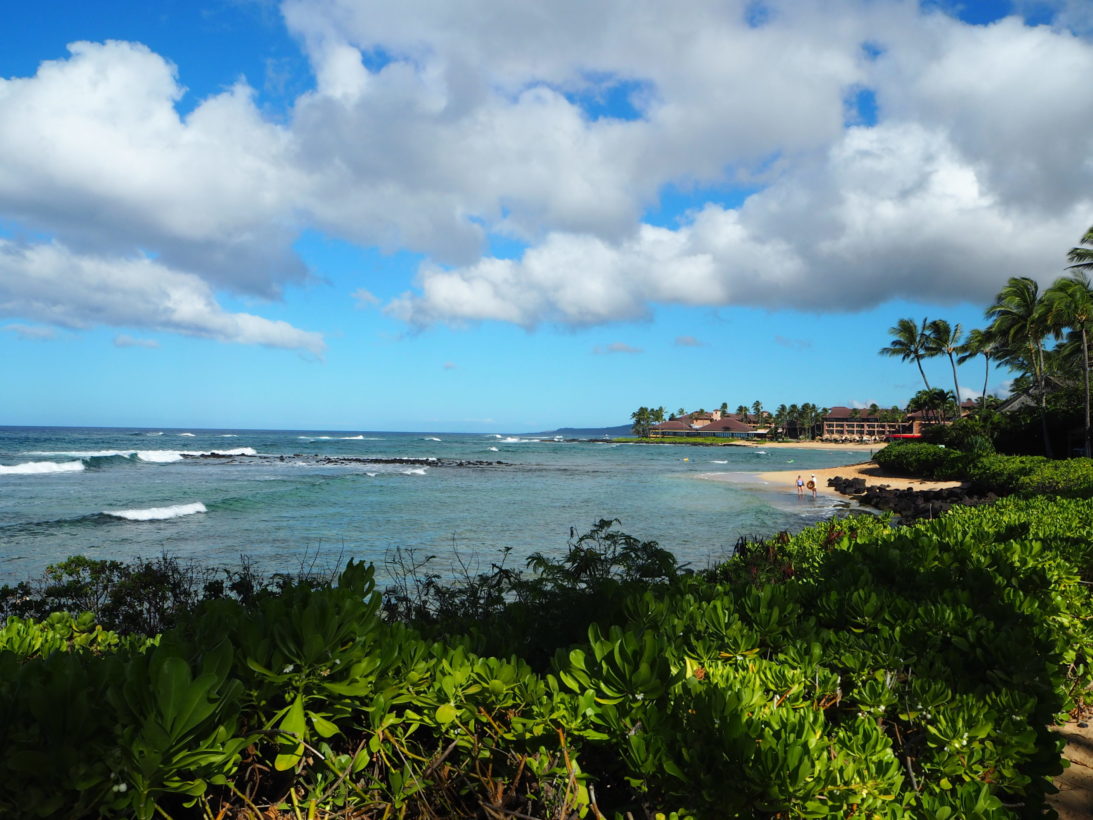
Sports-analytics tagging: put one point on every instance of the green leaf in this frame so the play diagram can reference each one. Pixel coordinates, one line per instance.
(445, 714)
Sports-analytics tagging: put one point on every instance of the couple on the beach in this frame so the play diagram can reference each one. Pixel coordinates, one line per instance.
(811, 485)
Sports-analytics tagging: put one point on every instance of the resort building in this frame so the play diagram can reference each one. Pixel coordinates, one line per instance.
(704, 424)
(854, 424)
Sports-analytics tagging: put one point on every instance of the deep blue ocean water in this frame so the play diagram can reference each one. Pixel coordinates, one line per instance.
(281, 497)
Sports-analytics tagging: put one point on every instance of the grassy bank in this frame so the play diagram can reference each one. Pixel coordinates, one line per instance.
(854, 669)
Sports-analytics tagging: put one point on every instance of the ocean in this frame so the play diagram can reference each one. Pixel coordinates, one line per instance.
(285, 498)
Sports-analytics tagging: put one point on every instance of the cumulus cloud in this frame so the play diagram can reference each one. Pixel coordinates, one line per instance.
(125, 340)
(792, 344)
(31, 332)
(365, 298)
(688, 341)
(51, 284)
(435, 128)
(615, 347)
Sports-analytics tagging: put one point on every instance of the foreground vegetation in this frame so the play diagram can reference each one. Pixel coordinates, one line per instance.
(855, 669)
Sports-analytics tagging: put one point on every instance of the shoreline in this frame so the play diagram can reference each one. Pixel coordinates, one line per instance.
(872, 473)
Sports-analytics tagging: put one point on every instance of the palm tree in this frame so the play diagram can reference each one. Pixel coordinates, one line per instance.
(1083, 257)
(781, 416)
(943, 339)
(1068, 304)
(793, 416)
(980, 343)
(1017, 318)
(908, 342)
(742, 413)
(757, 408)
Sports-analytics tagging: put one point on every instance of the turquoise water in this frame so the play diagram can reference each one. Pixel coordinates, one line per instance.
(280, 497)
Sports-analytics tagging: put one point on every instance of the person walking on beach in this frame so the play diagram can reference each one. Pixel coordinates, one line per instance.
(812, 484)
(800, 485)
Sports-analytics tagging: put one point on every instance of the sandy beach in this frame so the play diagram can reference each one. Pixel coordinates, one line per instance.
(873, 475)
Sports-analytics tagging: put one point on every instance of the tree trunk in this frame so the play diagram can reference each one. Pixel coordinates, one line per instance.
(1041, 387)
(921, 372)
(956, 386)
(1085, 360)
(986, 378)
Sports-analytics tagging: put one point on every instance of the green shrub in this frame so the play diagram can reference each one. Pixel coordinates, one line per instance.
(1071, 478)
(922, 460)
(1002, 474)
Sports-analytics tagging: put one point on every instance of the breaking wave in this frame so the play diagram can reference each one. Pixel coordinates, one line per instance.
(157, 513)
(42, 467)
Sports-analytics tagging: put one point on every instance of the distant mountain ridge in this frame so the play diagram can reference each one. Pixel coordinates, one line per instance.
(586, 432)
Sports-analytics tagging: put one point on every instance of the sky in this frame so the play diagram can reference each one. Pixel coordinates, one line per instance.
(499, 217)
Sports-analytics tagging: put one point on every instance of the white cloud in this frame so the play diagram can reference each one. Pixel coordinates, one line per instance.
(688, 341)
(615, 347)
(365, 298)
(433, 127)
(125, 340)
(51, 284)
(30, 332)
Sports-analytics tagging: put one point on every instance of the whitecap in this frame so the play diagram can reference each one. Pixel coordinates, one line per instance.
(153, 434)
(188, 435)
(171, 456)
(415, 471)
(80, 453)
(159, 456)
(494, 450)
(715, 461)
(352, 438)
(430, 438)
(158, 513)
(42, 467)
(238, 451)
(228, 435)
(371, 475)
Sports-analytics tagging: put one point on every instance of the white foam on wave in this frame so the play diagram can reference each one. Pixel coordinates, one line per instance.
(158, 513)
(228, 435)
(494, 450)
(430, 438)
(80, 453)
(371, 475)
(715, 461)
(154, 456)
(352, 438)
(153, 434)
(188, 435)
(415, 471)
(159, 456)
(170, 456)
(42, 467)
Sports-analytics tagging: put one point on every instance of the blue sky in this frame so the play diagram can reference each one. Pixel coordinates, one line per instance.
(343, 215)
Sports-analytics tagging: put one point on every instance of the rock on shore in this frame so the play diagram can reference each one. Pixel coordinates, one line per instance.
(908, 505)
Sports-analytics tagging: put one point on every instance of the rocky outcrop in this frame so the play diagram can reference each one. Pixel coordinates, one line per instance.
(908, 505)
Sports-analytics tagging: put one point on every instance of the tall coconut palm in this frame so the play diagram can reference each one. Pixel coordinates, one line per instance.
(1083, 257)
(1017, 318)
(742, 413)
(941, 338)
(1068, 305)
(980, 343)
(757, 409)
(908, 342)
